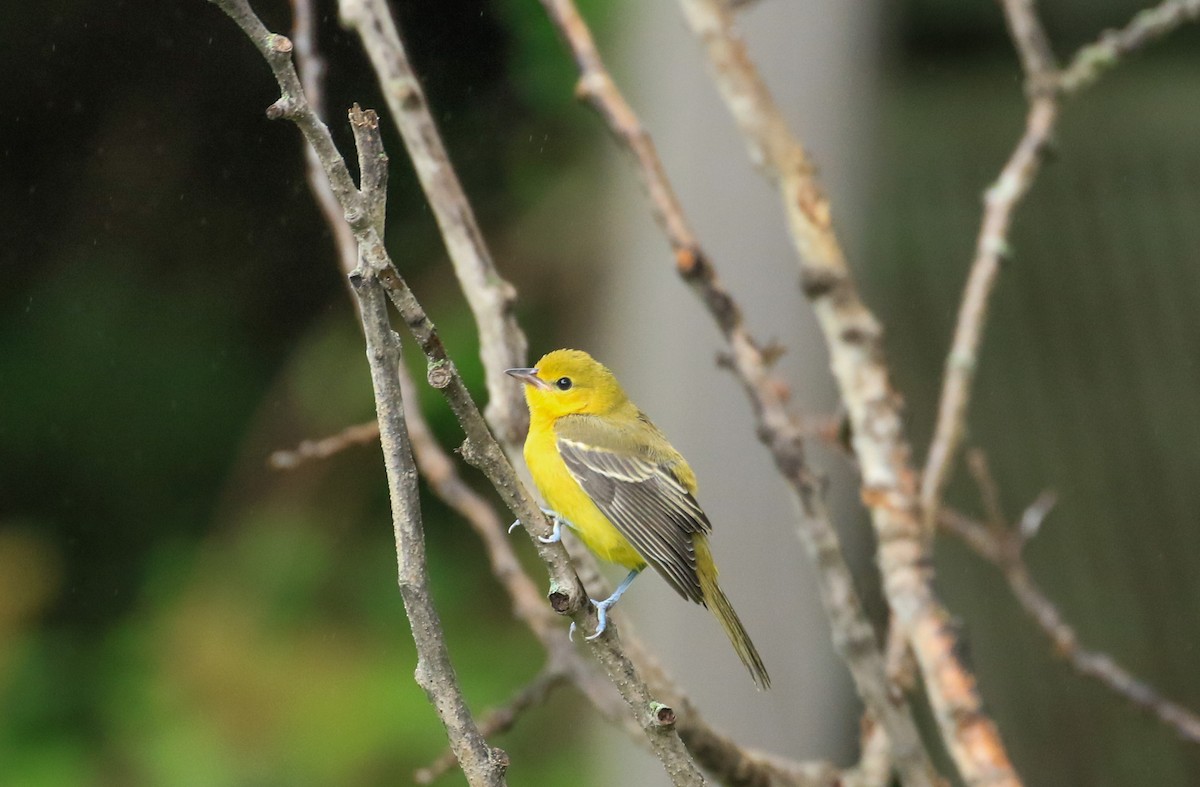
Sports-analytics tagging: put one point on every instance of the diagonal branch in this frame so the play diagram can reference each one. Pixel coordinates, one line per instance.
(1004, 550)
(502, 343)
(433, 463)
(853, 338)
(307, 450)
(991, 249)
(1033, 45)
(480, 763)
(311, 66)
(500, 719)
(1091, 61)
(778, 427)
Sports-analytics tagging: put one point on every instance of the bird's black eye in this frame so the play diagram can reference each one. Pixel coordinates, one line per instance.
(563, 383)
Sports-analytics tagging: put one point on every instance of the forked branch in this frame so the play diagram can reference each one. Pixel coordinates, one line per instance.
(1046, 86)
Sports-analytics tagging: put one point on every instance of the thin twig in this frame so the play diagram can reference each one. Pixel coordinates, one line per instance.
(499, 720)
(372, 166)
(989, 490)
(311, 67)
(1093, 60)
(1004, 550)
(1032, 44)
(991, 250)
(502, 343)
(854, 340)
(358, 434)
(778, 428)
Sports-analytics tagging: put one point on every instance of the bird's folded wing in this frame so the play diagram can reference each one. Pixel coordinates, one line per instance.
(644, 499)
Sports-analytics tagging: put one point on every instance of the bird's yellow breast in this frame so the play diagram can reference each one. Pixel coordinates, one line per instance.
(563, 494)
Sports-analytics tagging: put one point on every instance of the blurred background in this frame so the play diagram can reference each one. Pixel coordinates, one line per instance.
(173, 611)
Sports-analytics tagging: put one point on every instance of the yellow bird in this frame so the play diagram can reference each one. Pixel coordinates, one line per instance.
(609, 474)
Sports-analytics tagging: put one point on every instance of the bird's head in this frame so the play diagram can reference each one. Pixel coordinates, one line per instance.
(566, 382)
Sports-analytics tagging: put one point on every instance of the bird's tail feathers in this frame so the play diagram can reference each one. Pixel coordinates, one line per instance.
(716, 600)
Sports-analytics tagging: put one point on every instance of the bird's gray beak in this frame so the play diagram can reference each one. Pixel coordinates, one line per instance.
(529, 377)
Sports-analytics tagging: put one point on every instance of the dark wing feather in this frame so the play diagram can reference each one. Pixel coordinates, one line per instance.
(647, 503)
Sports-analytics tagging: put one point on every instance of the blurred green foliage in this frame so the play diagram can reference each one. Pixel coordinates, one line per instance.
(171, 611)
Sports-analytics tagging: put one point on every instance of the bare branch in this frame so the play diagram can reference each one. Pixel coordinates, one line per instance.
(1091, 61)
(989, 490)
(991, 250)
(372, 165)
(481, 764)
(499, 720)
(358, 434)
(853, 337)
(293, 104)
(1033, 46)
(778, 428)
(1004, 550)
(311, 66)
(490, 296)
